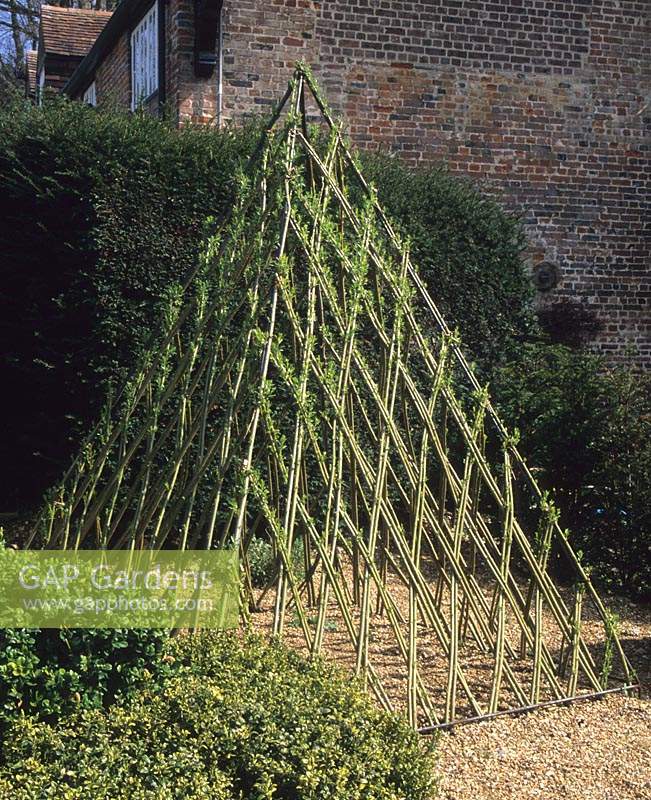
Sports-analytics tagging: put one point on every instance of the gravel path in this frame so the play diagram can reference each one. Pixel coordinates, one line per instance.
(588, 751)
(592, 750)
(595, 750)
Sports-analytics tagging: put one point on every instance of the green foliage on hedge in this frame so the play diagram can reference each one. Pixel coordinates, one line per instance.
(248, 720)
(102, 214)
(105, 212)
(587, 429)
(469, 252)
(48, 674)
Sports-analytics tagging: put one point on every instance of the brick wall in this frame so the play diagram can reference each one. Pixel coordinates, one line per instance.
(113, 76)
(190, 99)
(545, 103)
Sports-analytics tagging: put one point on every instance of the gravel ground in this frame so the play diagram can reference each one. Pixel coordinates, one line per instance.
(591, 750)
(390, 666)
(597, 750)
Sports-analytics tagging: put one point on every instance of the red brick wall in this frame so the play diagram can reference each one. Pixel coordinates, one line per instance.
(543, 102)
(189, 98)
(113, 76)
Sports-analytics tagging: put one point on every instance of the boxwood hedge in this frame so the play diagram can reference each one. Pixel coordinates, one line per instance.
(245, 719)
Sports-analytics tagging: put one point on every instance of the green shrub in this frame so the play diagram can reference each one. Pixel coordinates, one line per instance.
(49, 674)
(468, 251)
(262, 562)
(588, 431)
(126, 754)
(102, 213)
(249, 720)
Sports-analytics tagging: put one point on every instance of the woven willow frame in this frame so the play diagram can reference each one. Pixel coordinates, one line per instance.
(305, 385)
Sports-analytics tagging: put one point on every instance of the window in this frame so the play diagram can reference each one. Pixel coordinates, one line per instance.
(144, 58)
(90, 95)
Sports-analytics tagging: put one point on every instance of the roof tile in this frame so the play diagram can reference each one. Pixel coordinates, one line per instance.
(71, 31)
(30, 64)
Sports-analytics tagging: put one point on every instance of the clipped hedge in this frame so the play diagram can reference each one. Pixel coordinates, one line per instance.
(247, 720)
(102, 214)
(469, 252)
(106, 211)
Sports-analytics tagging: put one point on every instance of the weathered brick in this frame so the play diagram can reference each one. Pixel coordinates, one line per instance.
(542, 103)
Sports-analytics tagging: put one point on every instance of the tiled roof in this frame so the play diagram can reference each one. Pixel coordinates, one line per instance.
(71, 31)
(30, 69)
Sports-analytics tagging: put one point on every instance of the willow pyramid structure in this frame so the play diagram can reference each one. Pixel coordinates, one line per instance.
(305, 389)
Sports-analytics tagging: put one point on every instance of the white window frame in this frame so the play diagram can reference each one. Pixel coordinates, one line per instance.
(90, 95)
(144, 58)
(40, 86)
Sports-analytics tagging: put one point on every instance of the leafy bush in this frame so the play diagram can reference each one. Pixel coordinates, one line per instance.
(248, 720)
(468, 251)
(103, 212)
(588, 429)
(48, 674)
(262, 562)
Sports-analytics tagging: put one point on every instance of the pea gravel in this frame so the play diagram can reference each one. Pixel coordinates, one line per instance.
(597, 750)
(594, 750)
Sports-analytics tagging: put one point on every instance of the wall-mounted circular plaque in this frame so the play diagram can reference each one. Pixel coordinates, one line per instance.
(545, 276)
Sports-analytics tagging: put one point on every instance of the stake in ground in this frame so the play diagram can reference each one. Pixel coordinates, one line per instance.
(306, 386)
